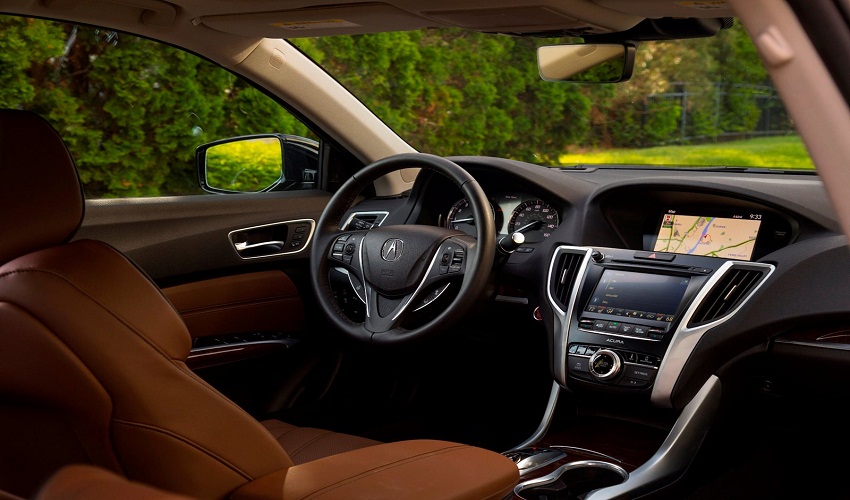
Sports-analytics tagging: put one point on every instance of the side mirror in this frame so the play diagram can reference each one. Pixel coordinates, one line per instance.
(257, 163)
(586, 63)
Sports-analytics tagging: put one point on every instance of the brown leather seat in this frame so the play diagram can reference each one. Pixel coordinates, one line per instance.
(92, 371)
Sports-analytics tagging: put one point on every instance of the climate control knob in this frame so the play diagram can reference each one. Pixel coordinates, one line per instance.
(605, 364)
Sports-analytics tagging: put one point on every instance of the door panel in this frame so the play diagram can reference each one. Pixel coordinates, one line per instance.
(176, 238)
(265, 301)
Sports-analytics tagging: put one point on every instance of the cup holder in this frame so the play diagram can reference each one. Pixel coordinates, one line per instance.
(572, 481)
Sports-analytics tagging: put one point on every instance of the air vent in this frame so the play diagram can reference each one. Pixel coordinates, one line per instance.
(564, 277)
(732, 288)
(365, 220)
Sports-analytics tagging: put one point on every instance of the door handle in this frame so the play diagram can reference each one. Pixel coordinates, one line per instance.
(275, 245)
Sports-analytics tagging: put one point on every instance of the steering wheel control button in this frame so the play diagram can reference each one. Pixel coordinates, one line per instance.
(349, 249)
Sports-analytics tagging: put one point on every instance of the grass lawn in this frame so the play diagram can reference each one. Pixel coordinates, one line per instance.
(785, 152)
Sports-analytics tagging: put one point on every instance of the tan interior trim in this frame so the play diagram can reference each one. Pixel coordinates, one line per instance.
(265, 301)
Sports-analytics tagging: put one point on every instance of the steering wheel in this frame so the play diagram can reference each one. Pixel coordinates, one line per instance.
(397, 269)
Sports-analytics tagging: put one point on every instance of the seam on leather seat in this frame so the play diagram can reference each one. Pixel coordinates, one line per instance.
(320, 437)
(286, 428)
(382, 468)
(186, 442)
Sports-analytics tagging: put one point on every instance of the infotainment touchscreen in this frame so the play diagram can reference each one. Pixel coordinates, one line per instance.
(727, 237)
(638, 295)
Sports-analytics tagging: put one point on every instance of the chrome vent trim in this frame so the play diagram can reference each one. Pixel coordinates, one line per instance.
(685, 338)
(730, 290)
(566, 271)
(373, 218)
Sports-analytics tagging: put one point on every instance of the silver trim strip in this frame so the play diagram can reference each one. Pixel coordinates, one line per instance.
(676, 452)
(583, 450)
(818, 345)
(562, 318)
(557, 473)
(351, 217)
(221, 349)
(685, 339)
(543, 427)
(296, 221)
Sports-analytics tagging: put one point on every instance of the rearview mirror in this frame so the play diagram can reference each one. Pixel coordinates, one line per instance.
(586, 63)
(257, 163)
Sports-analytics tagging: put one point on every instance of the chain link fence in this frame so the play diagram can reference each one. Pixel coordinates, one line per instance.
(718, 112)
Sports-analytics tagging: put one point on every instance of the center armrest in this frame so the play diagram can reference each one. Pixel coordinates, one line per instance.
(405, 469)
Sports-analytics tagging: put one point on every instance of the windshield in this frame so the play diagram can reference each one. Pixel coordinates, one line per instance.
(698, 102)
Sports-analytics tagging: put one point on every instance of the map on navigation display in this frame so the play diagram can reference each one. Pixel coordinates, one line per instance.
(711, 236)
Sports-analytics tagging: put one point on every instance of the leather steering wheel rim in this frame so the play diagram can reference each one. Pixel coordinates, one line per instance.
(477, 254)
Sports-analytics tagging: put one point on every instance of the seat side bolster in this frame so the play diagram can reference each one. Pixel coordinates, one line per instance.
(405, 469)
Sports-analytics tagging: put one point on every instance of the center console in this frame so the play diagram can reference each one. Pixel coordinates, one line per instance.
(628, 320)
(625, 323)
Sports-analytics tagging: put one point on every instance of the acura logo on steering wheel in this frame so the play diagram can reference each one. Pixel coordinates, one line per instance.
(391, 251)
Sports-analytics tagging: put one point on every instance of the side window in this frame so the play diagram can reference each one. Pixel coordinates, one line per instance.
(133, 111)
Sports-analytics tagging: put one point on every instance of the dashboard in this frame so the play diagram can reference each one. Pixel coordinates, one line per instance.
(650, 280)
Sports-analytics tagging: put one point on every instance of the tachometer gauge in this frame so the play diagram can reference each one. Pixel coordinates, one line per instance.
(536, 219)
(461, 218)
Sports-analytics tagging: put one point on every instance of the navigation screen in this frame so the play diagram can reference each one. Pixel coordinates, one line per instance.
(730, 238)
(638, 295)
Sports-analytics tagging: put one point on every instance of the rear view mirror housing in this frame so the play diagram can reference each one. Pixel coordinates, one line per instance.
(586, 63)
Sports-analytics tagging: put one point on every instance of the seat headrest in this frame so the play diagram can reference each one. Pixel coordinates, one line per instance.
(41, 199)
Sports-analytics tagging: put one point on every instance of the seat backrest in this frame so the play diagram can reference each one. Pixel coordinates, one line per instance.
(92, 355)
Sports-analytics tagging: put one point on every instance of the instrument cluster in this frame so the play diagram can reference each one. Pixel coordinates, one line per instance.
(513, 212)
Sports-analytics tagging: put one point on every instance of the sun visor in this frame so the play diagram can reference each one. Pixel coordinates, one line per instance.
(516, 19)
(668, 8)
(318, 21)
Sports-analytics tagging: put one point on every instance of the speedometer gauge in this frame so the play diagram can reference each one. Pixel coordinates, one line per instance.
(460, 217)
(536, 219)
